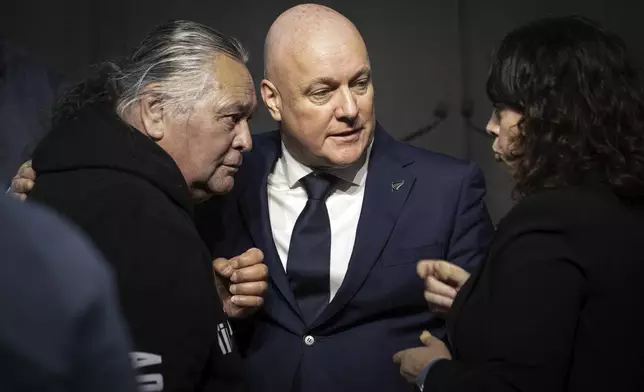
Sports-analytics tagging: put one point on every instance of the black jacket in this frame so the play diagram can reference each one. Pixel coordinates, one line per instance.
(559, 304)
(131, 199)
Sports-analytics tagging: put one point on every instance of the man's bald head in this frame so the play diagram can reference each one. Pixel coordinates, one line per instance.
(303, 28)
(318, 86)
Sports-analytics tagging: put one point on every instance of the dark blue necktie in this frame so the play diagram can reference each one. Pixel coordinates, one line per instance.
(309, 253)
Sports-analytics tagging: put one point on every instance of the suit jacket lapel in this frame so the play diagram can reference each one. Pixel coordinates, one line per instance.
(254, 207)
(387, 187)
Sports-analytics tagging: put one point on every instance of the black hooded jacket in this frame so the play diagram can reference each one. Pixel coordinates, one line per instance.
(129, 196)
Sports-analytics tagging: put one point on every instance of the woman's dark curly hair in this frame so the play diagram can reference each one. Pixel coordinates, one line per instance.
(581, 97)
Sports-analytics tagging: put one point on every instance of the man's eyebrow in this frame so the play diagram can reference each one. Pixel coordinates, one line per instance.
(323, 80)
(366, 70)
(329, 81)
(237, 107)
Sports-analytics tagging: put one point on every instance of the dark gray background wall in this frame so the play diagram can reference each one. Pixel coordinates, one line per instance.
(424, 53)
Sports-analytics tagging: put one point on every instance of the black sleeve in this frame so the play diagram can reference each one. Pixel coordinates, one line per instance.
(221, 226)
(167, 293)
(532, 292)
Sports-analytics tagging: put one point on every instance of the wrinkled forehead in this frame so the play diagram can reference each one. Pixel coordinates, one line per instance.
(234, 83)
(231, 72)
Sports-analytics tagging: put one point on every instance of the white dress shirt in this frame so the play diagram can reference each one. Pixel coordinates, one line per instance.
(287, 198)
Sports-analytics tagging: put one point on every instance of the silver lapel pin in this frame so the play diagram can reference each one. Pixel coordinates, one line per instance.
(397, 185)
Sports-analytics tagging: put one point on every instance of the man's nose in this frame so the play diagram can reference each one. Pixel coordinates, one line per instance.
(243, 140)
(348, 107)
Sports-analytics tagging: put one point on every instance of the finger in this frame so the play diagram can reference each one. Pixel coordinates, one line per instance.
(439, 301)
(17, 196)
(410, 377)
(247, 301)
(398, 356)
(424, 268)
(223, 267)
(222, 289)
(26, 171)
(253, 289)
(254, 273)
(433, 285)
(405, 370)
(21, 185)
(252, 256)
(450, 273)
(426, 338)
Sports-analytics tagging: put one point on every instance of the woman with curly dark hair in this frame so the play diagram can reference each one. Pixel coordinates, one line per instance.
(559, 304)
(568, 108)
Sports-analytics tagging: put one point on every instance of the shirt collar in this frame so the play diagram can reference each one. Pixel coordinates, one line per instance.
(355, 174)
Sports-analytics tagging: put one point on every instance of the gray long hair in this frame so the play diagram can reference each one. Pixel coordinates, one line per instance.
(174, 64)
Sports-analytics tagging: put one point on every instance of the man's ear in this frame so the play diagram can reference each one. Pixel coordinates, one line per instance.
(152, 116)
(272, 99)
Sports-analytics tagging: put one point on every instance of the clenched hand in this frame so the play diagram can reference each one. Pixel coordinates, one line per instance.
(443, 280)
(241, 282)
(23, 182)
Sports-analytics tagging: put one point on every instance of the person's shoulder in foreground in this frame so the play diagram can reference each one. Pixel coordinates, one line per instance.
(61, 326)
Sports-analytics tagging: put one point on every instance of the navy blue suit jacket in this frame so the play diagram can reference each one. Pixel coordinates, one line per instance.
(438, 213)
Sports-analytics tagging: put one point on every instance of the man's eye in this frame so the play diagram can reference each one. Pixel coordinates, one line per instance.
(234, 118)
(320, 93)
(361, 84)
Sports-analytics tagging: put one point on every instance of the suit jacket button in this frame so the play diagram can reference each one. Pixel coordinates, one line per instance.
(309, 340)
